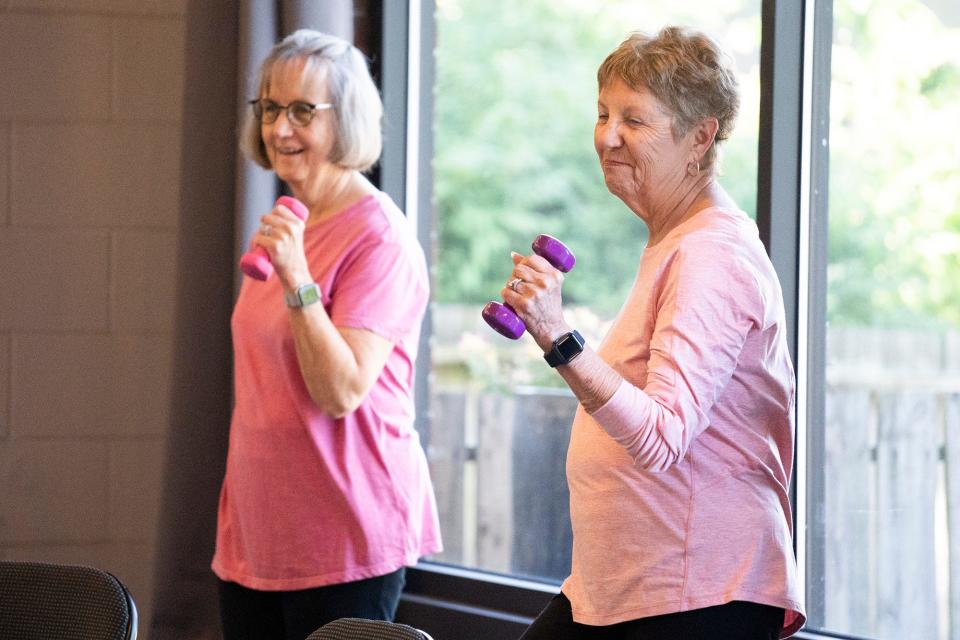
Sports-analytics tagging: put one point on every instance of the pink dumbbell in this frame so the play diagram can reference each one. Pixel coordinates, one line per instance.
(501, 317)
(256, 262)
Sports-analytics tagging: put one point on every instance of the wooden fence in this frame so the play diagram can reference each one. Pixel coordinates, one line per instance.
(497, 462)
(890, 512)
(891, 472)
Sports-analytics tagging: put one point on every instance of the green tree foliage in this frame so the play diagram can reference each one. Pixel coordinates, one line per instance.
(515, 108)
(894, 166)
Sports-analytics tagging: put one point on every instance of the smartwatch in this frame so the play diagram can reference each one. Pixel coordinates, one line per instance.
(565, 349)
(302, 296)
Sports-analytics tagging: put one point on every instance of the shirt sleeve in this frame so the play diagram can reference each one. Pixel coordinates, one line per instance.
(382, 287)
(709, 302)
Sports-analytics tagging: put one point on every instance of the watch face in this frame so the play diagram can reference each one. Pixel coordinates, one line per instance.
(566, 348)
(309, 294)
(569, 347)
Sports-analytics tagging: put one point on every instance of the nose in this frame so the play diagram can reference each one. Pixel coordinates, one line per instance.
(608, 135)
(282, 126)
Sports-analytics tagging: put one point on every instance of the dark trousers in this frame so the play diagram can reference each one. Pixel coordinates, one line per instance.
(731, 621)
(248, 614)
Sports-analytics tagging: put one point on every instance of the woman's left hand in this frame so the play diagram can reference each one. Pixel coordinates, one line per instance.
(281, 234)
(536, 298)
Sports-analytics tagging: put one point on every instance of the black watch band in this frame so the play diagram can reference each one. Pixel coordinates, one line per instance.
(565, 349)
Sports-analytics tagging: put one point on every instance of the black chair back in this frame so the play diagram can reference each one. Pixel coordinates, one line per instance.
(41, 601)
(360, 629)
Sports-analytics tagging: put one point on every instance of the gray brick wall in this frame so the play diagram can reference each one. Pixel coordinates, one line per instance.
(90, 112)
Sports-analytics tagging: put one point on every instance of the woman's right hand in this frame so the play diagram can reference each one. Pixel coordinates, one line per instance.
(281, 234)
(537, 298)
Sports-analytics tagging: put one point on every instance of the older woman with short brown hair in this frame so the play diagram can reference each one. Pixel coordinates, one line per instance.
(681, 450)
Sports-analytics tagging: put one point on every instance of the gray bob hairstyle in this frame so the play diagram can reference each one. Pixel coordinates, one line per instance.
(356, 101)
(686, 71)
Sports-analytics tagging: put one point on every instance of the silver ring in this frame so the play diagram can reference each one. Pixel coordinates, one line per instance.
(267, 230)
(513, 284)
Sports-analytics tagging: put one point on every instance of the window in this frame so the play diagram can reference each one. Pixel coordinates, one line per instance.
(884, 557)
(878, 319)
(515, 105)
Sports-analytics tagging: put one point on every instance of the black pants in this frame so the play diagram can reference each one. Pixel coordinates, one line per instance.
(248, 614)
(731, 621)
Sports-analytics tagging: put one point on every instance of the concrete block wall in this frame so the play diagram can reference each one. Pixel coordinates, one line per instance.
(90, 141)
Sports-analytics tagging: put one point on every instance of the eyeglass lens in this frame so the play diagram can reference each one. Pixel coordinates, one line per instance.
(298, 112)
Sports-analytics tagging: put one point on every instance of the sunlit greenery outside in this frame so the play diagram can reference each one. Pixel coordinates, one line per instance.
(515, 108)
(894, 214)
(515, 103)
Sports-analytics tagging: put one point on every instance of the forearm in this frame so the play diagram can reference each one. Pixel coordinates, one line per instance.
(648, 431)
(592, 380)
(328, 365)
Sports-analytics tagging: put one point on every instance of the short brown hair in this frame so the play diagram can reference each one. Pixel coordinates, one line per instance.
(356, 101)
(686, 71)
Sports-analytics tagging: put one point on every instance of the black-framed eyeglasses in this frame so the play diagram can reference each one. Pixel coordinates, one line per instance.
(299, 113)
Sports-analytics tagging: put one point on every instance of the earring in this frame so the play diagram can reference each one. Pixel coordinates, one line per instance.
(692, 173)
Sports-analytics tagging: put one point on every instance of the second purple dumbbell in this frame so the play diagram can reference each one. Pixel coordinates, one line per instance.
(501, 317)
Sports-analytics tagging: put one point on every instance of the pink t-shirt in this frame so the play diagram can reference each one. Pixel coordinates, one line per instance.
(679, 483)
(309, 500)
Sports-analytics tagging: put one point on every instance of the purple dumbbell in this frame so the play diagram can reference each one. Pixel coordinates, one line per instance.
(501, 317)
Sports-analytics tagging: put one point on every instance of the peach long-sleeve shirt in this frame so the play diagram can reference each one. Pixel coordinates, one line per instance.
(679, 483)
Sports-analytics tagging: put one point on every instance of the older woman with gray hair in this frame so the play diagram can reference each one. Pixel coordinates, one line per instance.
(327, 496)
(681, 451)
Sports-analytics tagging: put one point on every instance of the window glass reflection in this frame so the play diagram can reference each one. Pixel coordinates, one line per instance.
(889, 521)
(515, 106)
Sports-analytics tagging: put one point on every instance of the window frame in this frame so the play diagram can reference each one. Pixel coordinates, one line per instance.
(792, 179)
